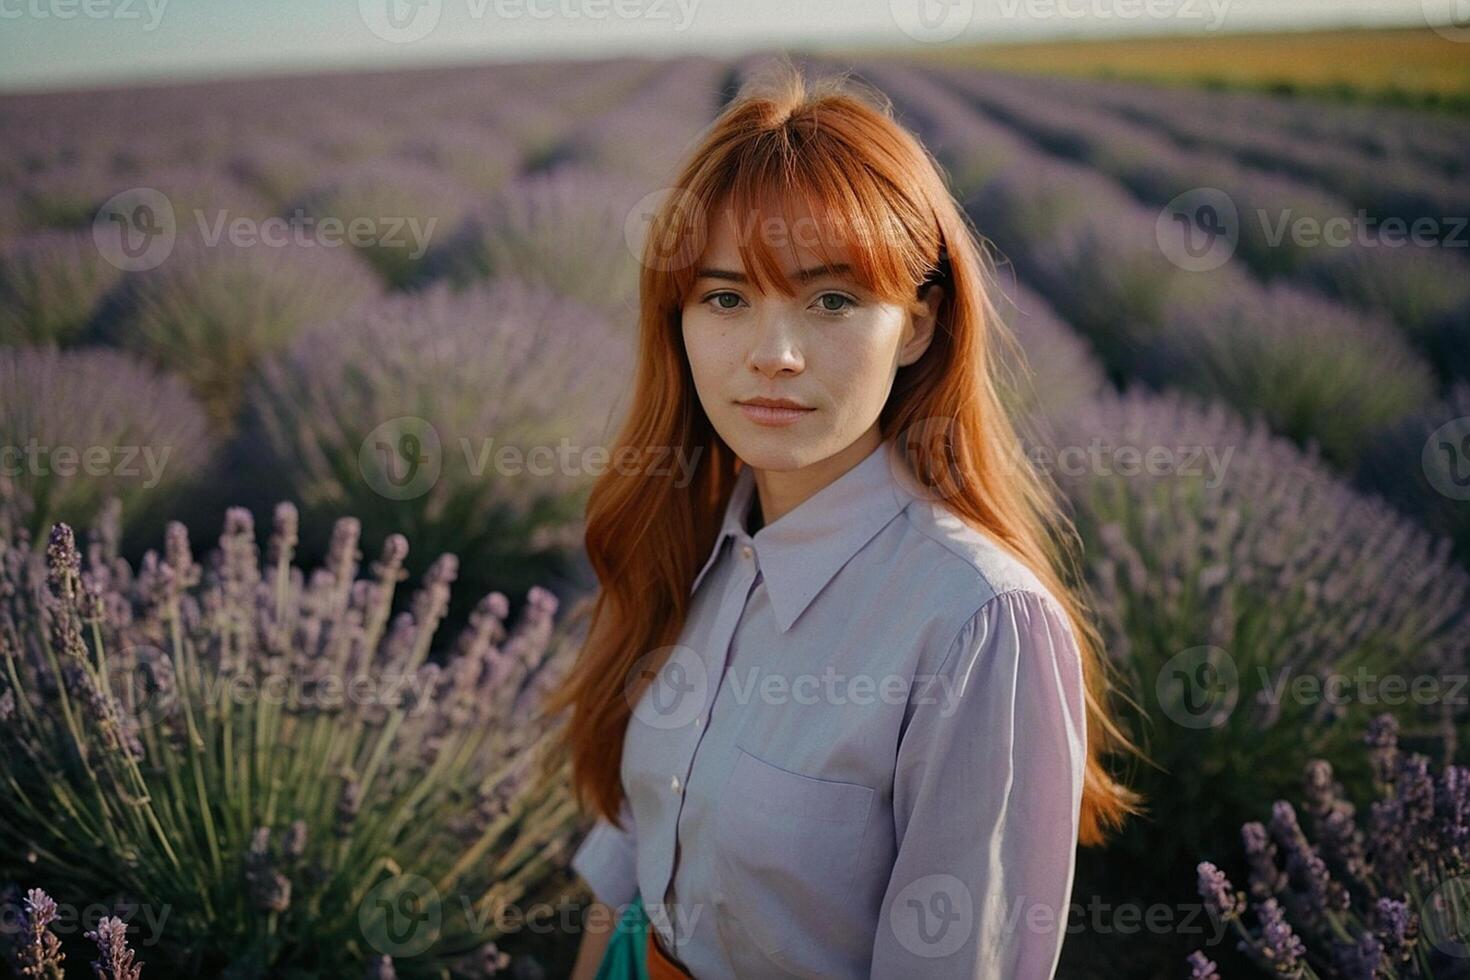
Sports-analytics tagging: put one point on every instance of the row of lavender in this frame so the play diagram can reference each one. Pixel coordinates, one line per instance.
(1268, 558)
(1362, 350)
(1422, 287)
(269, 365)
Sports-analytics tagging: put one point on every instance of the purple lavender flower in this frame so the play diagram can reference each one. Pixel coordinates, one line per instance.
(1279, 949)
(116, 959)
(1360, 960)
(1396, 928)
(1266, 876)
(38, 950)
(1220, 897)
(1403, 891)
(1202, 967)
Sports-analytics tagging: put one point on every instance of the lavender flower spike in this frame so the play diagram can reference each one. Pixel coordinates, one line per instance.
(116, 962)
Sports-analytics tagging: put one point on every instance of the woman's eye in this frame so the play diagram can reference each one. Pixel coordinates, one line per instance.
(719, 300)
(834, 302)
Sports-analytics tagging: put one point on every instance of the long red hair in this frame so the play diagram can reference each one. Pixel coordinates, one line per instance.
(833, 146)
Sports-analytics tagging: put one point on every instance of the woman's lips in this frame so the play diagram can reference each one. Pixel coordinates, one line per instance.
(769, 415)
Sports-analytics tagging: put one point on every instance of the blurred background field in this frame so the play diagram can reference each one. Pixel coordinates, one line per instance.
(1394, 66)
(492, 301)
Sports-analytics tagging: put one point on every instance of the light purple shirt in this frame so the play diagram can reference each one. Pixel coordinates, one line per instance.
(864, 756)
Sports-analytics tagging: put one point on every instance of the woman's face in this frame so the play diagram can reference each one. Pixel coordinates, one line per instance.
(833, 349)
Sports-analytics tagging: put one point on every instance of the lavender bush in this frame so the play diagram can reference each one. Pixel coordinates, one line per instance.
(1060, 370)
(272, 756)
(64, 196)
(1389, 900)
(563, 228)
(1315, 370)
(1422, 465)
(1425, 289)
(1231, 570)
(203, 202)
(1106, 276)
(278, 167)
(400, 413)
(645, 134)
(210, 312)
(51, 283)
(479, 159)
(404, 206)
(90, 423)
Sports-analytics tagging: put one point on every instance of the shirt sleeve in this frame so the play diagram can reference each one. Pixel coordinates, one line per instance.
(986, 798)
(608, 859)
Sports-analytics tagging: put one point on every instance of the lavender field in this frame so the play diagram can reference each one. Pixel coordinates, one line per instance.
(321, 307)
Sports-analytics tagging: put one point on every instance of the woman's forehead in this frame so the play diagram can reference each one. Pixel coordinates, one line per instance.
(800, 240)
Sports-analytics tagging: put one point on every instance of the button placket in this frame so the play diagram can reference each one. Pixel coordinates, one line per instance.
(739, 597)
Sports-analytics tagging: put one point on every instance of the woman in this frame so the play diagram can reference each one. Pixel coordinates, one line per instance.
(838, 710)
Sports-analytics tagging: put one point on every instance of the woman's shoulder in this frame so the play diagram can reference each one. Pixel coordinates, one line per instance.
(963, 569)
(976, 561)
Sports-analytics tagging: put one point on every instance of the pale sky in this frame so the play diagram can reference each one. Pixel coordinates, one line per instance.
(70, 43)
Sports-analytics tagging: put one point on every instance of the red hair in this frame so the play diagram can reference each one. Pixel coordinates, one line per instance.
(834, 151)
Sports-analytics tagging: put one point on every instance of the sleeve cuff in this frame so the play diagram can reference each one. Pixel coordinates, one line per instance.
(607, 861)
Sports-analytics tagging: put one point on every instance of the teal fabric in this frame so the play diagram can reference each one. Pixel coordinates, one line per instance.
(625, 957)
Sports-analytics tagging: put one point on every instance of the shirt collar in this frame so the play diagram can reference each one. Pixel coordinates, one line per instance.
(802, 551)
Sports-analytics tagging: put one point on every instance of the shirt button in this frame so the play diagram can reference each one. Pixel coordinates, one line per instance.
(699, 721)
(674, 783)
(746, 551)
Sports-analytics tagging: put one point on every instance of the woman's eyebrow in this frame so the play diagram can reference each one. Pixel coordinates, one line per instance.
(803, 275)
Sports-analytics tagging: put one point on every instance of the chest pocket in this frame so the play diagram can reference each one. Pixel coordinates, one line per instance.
(788, 848)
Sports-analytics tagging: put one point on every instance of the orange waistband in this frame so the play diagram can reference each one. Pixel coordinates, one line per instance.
(660, 967)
